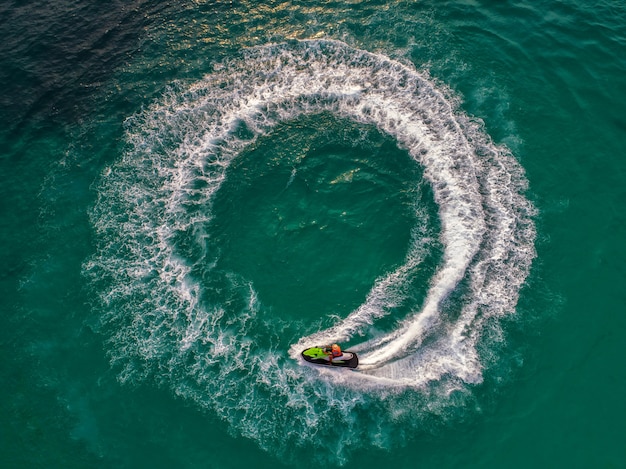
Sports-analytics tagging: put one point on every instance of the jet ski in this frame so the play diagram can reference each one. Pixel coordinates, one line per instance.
(317, 356)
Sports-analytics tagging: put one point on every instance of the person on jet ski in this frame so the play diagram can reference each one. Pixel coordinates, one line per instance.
(334, 351)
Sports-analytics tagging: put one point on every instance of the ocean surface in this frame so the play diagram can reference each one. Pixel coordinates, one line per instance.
(193, 192)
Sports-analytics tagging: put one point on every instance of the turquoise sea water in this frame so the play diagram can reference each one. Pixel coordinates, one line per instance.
(194, 192)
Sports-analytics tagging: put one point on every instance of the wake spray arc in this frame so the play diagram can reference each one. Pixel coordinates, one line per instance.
(157, 199)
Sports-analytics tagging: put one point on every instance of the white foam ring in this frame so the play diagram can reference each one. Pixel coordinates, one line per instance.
(178, 154)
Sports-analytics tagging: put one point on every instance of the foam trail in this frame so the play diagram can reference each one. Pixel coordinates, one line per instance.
(155, 204)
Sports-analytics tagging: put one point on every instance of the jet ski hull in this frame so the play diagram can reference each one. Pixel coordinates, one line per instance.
(317, 356)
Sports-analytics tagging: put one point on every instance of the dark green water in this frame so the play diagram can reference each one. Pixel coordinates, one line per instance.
(181, 214)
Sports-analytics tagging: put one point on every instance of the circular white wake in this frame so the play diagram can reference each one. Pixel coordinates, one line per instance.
(155, 199)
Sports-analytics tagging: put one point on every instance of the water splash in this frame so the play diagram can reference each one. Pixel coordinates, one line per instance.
(167, 324)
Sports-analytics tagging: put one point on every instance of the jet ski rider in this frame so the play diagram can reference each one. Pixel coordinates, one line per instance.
(334, 351)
